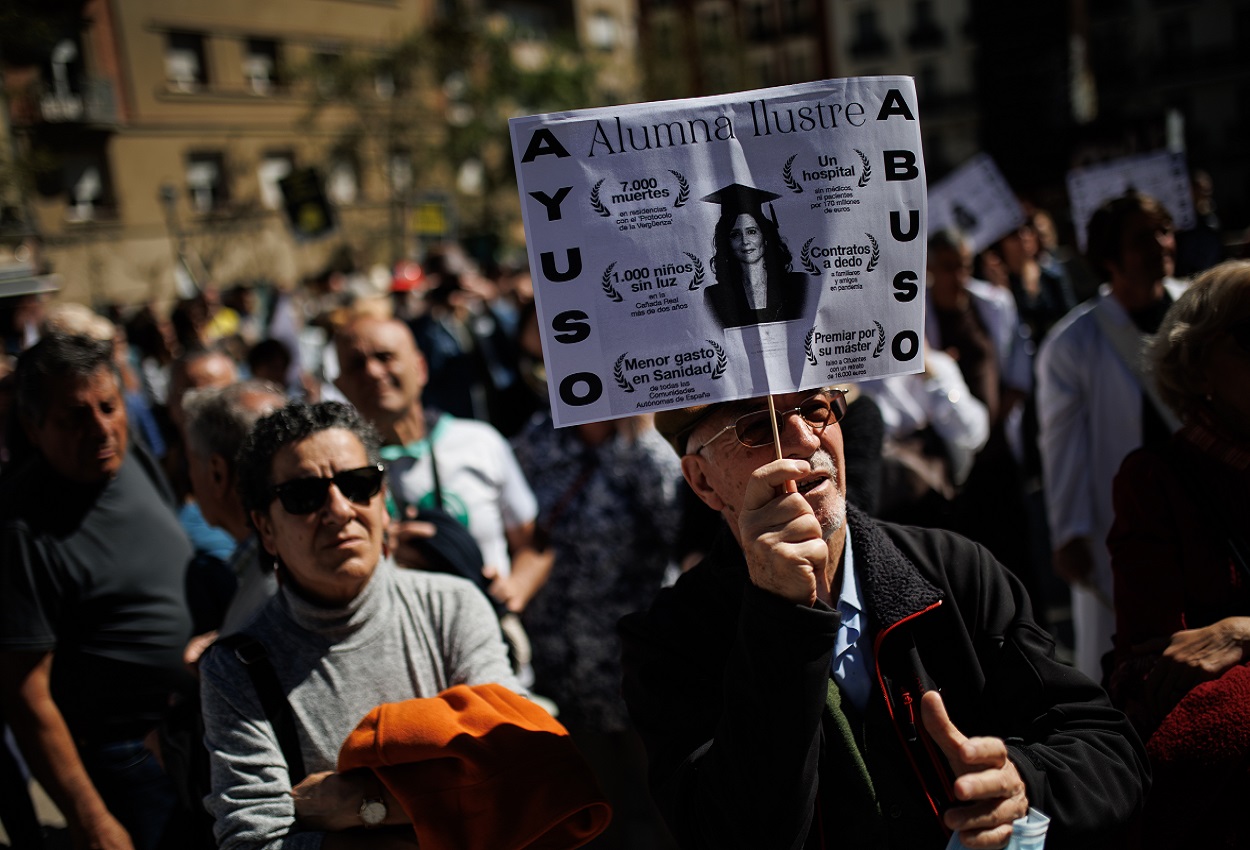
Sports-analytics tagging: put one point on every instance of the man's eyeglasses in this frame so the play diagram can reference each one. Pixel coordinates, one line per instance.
(301, 496)
(755, 429)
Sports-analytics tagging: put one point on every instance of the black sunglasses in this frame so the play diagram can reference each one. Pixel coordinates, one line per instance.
(301, 496)
(755, 429)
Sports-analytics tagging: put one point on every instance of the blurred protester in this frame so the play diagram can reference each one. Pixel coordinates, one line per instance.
(190, 321)
(934, 428)
(152, 340)
(408, 284)
(92, 626)
(245, 303)
(435, 459)
(1058, 258)
(17, 813)
(270, 360)
(8, 413)
(1042, 296)
(1180, 555)
(471, 357)
(607, 507)
(20, 317)
(977, 325)
(1095, 404)
(217, 421)
(346, 632)
(1202, 246)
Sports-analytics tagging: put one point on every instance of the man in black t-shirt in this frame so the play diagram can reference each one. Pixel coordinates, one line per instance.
(93, 613)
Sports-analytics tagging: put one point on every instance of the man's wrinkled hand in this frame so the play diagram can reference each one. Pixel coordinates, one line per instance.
(1194, 656)
(986, 780)
(781, 536)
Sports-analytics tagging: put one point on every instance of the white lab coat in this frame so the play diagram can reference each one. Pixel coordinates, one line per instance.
(1089, 416)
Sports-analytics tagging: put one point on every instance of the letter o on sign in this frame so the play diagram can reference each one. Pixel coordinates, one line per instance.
(905, 346)
(572, 384)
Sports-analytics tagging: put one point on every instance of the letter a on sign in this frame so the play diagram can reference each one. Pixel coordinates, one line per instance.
(894, 105)
(543, 143)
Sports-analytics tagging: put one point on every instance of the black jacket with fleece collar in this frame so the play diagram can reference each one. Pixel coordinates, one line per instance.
(727, 685)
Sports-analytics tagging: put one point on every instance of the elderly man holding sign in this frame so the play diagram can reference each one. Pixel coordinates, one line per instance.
(823, 680)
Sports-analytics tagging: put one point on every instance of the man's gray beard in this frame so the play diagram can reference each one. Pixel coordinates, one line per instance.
(822, 461)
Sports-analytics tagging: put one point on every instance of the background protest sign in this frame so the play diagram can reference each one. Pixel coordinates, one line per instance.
(710, 249)
(1162, 175)
(976, 200)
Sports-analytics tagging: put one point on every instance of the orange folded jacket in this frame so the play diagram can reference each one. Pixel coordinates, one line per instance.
(479, 766)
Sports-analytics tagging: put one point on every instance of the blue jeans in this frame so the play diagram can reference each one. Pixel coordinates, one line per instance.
(135, 789)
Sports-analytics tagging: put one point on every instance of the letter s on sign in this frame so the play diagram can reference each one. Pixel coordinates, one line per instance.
(571, 326)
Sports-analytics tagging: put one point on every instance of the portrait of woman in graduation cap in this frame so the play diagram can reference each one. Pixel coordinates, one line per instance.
(754, 281)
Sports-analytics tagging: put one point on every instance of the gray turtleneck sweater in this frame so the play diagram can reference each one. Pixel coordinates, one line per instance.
(408, 634)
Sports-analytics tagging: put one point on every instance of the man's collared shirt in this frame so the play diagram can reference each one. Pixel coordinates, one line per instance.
(852, 658)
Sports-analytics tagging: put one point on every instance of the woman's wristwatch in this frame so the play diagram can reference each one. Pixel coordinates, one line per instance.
(372, 811)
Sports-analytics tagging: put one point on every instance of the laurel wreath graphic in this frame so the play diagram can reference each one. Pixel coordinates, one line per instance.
(876, 352)
(608, 289)
(683, 189)
(866, 174)
(807, 346)
(594, 200)
(619, 374)
(876, 254)
(788, 176)
(697, 280)
(806, 258)
(721, 362)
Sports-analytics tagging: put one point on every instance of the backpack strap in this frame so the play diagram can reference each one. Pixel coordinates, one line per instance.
(251, 653)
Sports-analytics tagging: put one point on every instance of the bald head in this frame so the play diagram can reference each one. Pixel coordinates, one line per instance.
(217, 422)
(197, 370)
(381, 371)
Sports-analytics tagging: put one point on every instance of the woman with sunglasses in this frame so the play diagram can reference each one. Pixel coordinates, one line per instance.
(1180, 556)
(347, 631)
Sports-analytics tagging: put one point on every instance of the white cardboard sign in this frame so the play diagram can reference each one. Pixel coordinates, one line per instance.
(702, 250)
(976, 200)
(1162, 175)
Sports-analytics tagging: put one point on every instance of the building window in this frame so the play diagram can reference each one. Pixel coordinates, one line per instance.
(797, 15)
(206, 181)
(185, 68)
(928, 89)
(868, 38)
(663, 37)
(327, 71)
(602, 31)
(925, 32)
(759, 27)
(273, 167)
(399, 171)
(87, 186)
(343, 179)
(260, 65)
(712, 29)
(802, 67)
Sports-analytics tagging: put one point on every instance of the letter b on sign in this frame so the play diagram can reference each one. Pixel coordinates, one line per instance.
(900, 165)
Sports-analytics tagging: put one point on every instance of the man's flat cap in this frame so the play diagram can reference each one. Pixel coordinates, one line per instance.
(677, 425)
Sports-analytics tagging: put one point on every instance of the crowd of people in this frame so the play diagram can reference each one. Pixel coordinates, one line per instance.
(263, 492)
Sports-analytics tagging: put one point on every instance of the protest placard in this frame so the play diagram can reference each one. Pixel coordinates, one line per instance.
(717, 248)
(1162, 175)
(976, 200)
